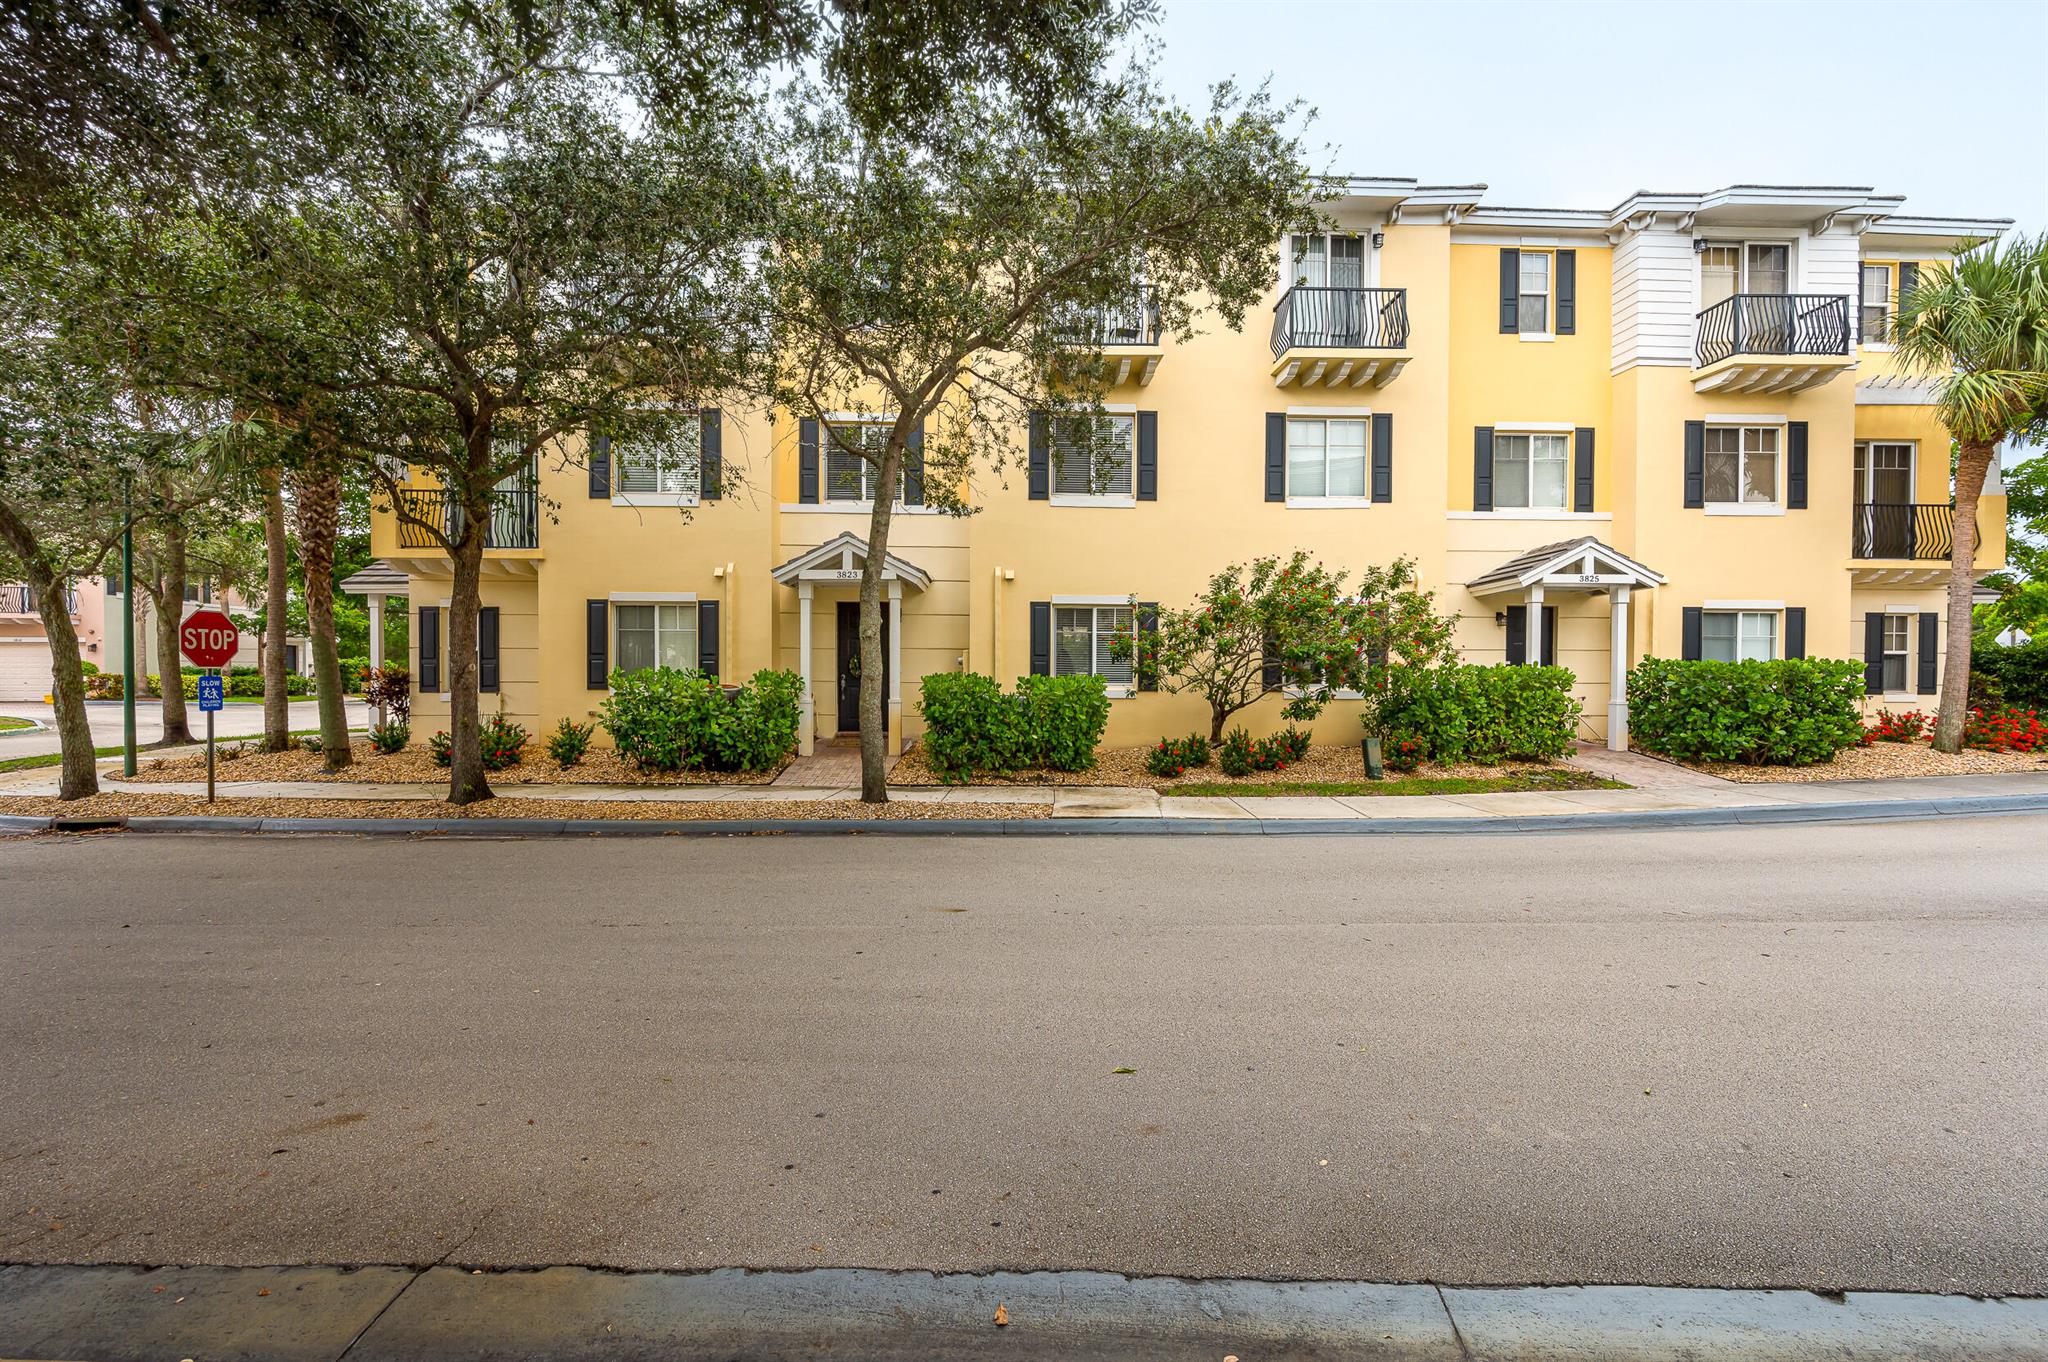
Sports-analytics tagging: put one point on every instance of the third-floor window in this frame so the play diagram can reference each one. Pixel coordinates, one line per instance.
(1091, 456)
(1327, 261)
(1731, 267)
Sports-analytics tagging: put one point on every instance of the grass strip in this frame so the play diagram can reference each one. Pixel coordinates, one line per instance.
(1400, 785)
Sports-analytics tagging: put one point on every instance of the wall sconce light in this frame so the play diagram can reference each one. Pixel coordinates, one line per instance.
(1500, 619)
(1699, 245)
(1379, 239)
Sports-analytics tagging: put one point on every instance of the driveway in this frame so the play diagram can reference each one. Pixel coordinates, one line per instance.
(234, 721)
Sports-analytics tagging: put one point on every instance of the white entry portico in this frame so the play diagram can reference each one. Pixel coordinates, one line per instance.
(839, 562)
(1582, 565)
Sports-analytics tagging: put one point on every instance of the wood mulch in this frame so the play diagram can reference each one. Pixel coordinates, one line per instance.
(1879, 761)
(1125, 766)
(109, 804)
(599, 766)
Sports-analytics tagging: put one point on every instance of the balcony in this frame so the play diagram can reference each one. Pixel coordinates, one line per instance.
(1123, 340)
(1771, 343)
(515, 518)
(18, 598)
(1340, 337)
(1908, 544)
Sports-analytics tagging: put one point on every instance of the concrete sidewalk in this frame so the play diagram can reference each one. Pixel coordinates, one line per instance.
(300, 1314)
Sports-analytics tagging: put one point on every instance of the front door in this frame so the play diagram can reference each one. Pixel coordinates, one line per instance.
(1885, 515)
(849, 666)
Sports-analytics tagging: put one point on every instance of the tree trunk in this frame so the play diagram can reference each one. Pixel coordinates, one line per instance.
(1971, 469)
(1217, 715)
(317, 498)
(466, 781)
(169, 598)
(277, 714)
(77, 777)
(874, 742)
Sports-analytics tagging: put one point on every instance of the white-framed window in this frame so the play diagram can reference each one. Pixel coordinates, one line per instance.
(849, 477)
(1332, 260)
(1884, 472)
(1731, 267)
(654, 634)
(1738, 635)
(1531, 471)
(1092, 456)
(1875, 296)
(1082, 638)
(1742, 465)
(1897, 646)
(1533, 294)
(1327, 458)
(667, 465)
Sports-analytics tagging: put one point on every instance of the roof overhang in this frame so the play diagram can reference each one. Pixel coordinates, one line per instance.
(378, 579)
(842, 558)
(1583, 564)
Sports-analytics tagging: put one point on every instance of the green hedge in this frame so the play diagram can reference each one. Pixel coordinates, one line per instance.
(1048, 722)
(1791, 712)
(665, 719)
(2017, 676)
(1487, 715)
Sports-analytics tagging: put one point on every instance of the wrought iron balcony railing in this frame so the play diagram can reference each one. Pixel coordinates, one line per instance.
(514, 524)
(1134, 322)
(1774, 324)
(1313, 317)
(18, 598)
(1894, 529)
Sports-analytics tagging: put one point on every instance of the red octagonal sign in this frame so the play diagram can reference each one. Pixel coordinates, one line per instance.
(208, 638)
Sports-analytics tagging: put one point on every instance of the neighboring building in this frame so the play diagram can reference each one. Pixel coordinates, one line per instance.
(1602, 434)
(25, 651)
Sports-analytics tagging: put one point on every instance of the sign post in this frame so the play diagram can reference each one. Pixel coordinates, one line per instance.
(208, 638)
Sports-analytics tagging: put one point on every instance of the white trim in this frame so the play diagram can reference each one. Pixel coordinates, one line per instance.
(1742, 605)
(1333, 413)
(879, 418)
(852, 508)
(1910, 610)
(1725, 419)
(1544, 243)
(1539, 336)
(1126, 599)
(1742, 508)
(1078, 499)
(1329, 503)
(653, 598)
(1518, 513)
(1905, 699)
(654, 499)
(1533, 427)
(1120, 408)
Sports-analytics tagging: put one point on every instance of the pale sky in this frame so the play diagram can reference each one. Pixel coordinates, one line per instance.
(1576, 105)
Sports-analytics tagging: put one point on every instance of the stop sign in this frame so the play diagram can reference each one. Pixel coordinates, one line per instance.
(208, 638)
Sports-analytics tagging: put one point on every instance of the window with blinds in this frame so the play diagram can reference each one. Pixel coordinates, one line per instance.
(1093, 456)
(1081, 642)
(665, 464)
(654, 636)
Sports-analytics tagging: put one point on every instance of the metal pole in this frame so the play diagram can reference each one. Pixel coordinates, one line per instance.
(127, 629)
(209, 754)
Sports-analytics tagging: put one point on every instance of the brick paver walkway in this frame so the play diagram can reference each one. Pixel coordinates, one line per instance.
(836, 763)
(1645, 773)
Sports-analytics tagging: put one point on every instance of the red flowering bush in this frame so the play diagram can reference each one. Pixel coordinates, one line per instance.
(1912, 726)
(2004, 730)
(1177, 756)
(1404, 754)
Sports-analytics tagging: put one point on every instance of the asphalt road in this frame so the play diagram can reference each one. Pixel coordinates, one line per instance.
(233, 721)
(1745, 1056)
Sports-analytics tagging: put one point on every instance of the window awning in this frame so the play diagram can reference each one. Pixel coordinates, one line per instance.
(841, 559)
(1583, 564)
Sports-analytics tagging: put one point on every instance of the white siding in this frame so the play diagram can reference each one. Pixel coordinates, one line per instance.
(1829, 264)
(1656, 291)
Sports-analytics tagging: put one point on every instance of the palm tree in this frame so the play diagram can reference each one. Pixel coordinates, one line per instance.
(1980, 332)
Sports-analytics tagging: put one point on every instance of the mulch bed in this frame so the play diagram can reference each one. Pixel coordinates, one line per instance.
(1879, 761)
(599, 766)
(1325, 763)
(111, 804)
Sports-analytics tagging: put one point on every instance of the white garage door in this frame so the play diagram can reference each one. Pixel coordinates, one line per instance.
(24, 669)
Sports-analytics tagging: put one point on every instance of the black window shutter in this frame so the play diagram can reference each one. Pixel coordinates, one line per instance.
(913, 468)
(807, 461)
(1689, 649)
(1510, 290)
(1795, 631)
(1873, 654)
(1482, 468)
(1909, 279)
(1041, 638)
(1695, 463)
(1567, 292)
(711, 456)
(1040, 476)
(1930, 649)
(1550, 636)
(1795, 465)
(1276, 456)
(1270, 677)
(600, 465)
(1518, 634)
(1148, 456)
(1148, 623)
(597, 623)
(1382, 456)
(487, 649)
(707, 638)
(430, 649)
(1582, 469)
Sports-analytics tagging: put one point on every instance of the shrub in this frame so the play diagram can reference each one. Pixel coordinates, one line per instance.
(391, 737)
(88, 668)
(1239, 754)
(1177, 756)
(1484, 715)
(441, 748)
(667, 719)
(353, 670)
(104, 686)
(310, 743)
(295, 684)
(569, 742)
(1235, 753)
(2004, 730)
(242, 684)
(1064, 717)
(1291, 743)
(2015, 676)
(762, 721)
(1403, 754)
(1789, 712)
(970, 725)
(1911, 726)
(390, 687)
(501, 741)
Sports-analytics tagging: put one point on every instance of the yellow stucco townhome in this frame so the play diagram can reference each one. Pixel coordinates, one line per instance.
(1665, 428)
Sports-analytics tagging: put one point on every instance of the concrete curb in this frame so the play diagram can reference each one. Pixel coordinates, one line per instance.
(566, 1314)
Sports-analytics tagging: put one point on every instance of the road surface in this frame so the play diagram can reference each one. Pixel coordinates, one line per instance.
(1745, 1056)
(235, 720)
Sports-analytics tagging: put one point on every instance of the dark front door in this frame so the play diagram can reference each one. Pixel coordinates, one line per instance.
(849, 666)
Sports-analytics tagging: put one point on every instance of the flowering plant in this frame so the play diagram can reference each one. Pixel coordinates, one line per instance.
(2004, 730)
(1911, 726)
(1177, 756)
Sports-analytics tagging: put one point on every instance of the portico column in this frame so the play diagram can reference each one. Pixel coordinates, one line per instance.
(377, 640)
(1532, 645)
(807, 740)
(895, 667)
(1617, 672)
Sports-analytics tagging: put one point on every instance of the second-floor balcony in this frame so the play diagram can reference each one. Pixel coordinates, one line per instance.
(1340, 337)
(1123, 338)
(19, 598)
(1909, 543)
(514, 523)
(1771, 342)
